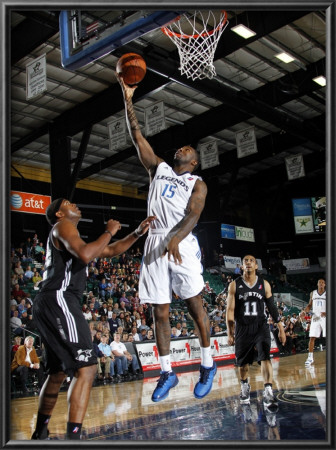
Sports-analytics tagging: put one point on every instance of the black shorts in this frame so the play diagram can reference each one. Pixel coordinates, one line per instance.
(250, 341)
(64, 331)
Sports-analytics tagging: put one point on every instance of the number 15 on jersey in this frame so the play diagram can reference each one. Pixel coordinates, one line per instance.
(169, 190)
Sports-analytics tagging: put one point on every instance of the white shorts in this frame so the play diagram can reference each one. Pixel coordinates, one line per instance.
(317, 327)
(159, 277)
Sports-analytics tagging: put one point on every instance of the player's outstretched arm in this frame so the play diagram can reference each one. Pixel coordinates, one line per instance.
(122, 245)
(145, 152)
(67, 235)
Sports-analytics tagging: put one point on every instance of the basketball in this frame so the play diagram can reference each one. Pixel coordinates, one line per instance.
(132, 67)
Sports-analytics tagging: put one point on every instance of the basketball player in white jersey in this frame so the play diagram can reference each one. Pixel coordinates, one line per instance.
(317, 304)
(172, 255)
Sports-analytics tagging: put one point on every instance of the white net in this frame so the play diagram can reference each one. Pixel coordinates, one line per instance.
(196, 37)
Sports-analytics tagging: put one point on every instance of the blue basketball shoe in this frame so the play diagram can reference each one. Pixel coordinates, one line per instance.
(166, 381)
(204, 384)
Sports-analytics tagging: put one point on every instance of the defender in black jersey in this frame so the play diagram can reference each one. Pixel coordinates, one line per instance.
(246, 317)
(58, 316)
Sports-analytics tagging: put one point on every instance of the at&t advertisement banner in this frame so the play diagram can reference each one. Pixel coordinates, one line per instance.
(29, 203)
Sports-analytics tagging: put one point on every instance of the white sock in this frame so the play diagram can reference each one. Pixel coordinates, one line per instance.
(165, 363)
(206, 358)
(310, 355)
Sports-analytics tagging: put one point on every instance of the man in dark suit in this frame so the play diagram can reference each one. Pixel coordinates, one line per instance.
(114, 323)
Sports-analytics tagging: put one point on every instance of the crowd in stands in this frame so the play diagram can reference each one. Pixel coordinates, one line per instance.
(113, 311)
(296, 325)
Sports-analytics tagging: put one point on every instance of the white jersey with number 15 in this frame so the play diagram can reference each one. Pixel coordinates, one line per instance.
(169, 194)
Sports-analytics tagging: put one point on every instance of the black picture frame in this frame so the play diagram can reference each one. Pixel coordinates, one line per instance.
(330, 8)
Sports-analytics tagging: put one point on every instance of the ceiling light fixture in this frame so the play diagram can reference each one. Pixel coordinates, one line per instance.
(321, 80)
(285, 57)
(243, 31)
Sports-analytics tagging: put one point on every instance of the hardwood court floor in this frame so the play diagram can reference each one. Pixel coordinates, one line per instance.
(125, 411)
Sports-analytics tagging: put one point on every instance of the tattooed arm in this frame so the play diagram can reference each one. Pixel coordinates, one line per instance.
(145, 152)
(186, 225)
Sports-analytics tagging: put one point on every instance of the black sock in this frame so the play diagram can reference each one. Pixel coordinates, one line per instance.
(268, 384)
(74, 430)
(41, 430)
(244, 381)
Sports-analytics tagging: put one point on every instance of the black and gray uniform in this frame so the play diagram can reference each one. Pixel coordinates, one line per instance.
(58, 314)
(252, 332)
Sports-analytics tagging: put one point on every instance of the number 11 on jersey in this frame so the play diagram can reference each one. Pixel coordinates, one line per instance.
(248, 306)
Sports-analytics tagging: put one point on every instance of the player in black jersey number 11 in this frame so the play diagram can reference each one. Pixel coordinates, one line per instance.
(248, 328)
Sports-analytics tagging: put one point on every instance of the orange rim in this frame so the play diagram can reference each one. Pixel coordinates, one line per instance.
(195, 36)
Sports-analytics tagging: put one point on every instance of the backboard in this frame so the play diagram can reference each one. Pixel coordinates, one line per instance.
(85, 38)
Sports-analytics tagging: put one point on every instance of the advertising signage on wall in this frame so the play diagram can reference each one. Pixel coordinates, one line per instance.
(187, 352)
(228, 231)
(231, 262)
(309, 214)
(245, 234)
(27, 202)
(236, 232)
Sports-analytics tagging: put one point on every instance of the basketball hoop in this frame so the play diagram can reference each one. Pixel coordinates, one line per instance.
(196, 44)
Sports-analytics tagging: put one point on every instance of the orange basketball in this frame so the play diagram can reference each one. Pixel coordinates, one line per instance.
(132, 67)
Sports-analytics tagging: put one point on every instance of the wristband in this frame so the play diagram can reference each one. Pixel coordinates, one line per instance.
(108, 231)
(137, 234)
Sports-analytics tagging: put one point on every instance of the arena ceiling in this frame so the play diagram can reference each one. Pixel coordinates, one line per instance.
(252, 88)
